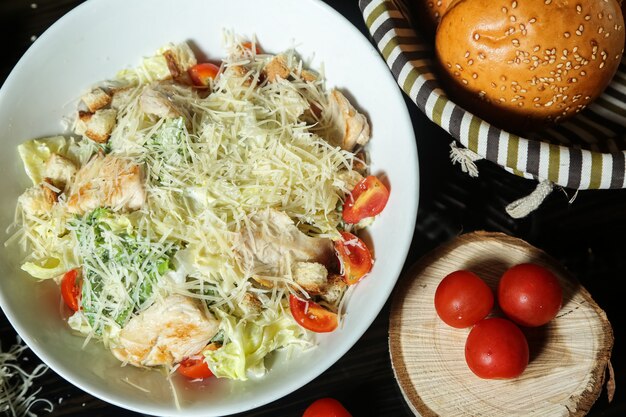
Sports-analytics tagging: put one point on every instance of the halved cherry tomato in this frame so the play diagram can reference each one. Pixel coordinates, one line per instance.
(326, 407)
(201, 73)
(70, 289)
(354, 256)
(248, 46)
(194, 368)
(367, 199)
(312, 316)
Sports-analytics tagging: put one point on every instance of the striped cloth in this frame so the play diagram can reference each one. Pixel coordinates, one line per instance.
(586, 152)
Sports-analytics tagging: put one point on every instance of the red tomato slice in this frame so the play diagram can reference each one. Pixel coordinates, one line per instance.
(367, 199)
(201, 73)
(355, 257)
(326, 407)
(194, 368)
(70, 289)
(312, 316)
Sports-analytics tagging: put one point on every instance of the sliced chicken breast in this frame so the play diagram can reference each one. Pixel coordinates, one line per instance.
(166, 333)
(107, 181)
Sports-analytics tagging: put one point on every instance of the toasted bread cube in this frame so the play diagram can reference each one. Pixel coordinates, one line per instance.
(96, 126)
(96, 99)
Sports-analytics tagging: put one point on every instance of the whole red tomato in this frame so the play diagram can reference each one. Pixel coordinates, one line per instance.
(462, 298)
(326, 407)
(496, 349)
(530, 294)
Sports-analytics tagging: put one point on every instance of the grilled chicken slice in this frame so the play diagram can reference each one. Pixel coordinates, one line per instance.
(107, 181)
(166, 333)
(274, 242)
(349, 127)
(157, 103)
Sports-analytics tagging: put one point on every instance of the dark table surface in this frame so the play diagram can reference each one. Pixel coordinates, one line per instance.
(586, 235)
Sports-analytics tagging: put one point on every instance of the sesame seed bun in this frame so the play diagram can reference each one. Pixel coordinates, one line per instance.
(528, 63)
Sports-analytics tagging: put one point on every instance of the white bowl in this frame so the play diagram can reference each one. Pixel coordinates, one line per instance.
(94, 41)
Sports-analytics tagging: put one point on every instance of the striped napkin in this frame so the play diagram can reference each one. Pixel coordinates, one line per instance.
(586, 152)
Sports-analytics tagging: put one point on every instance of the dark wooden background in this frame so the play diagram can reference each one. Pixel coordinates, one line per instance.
(588, 236)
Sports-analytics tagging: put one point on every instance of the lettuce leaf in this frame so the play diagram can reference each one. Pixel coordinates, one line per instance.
(248, 343)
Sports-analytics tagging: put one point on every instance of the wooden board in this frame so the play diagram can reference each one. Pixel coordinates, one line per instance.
(568, 356)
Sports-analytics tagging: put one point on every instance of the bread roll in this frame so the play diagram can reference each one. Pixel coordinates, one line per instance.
(523, 64)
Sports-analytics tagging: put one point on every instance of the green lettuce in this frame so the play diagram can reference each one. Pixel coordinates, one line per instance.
(248, 343)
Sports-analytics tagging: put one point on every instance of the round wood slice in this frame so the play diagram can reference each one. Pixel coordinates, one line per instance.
(568, 356)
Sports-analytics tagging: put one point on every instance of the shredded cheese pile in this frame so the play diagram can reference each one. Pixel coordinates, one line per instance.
(16, 397)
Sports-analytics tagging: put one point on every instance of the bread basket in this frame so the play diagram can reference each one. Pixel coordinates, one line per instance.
(584, 153)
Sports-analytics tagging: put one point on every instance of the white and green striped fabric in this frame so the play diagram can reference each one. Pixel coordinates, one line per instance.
(587, 152)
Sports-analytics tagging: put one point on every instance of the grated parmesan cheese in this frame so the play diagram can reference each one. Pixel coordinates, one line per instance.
(213, 161)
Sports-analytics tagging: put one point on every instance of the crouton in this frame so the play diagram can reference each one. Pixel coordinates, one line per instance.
(36, 200)
(251, 305)
(276, 68)
(308, 76)
(334, 290)
(96, 99)
(59, 171)
(96, 126)
(311, 276)
(120, 97)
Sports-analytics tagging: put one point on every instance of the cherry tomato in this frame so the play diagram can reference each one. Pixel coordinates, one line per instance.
(496, 349)
(355, 257)
(194, 368)
(70, 289)
(312, 316)
(529, 294)
(367, 199)
(326, 407)
(462, 299)
(248, 46)
(201, 73)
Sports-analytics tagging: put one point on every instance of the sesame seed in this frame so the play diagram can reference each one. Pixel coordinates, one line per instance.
(579, 33)
(456, 73)
(476, 36)
(493, 85)
(502, 100)
(600, 29)
(587, 17)
(515, 42)
(464, 81)
(504, 10)
(533, 20)
(548, 1)
(606, 35)
(549, 103)
(566, 34)
(579, 8)
(470, 62)
(513, 18)
(536, 48)
(514, 5)
(481, 55)
(474, 75)
(460, 68)
(467, 54)
(503, 88)
(610, 16)
(600, 16)
(522, 26)
(583, 73)
(601, 65)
